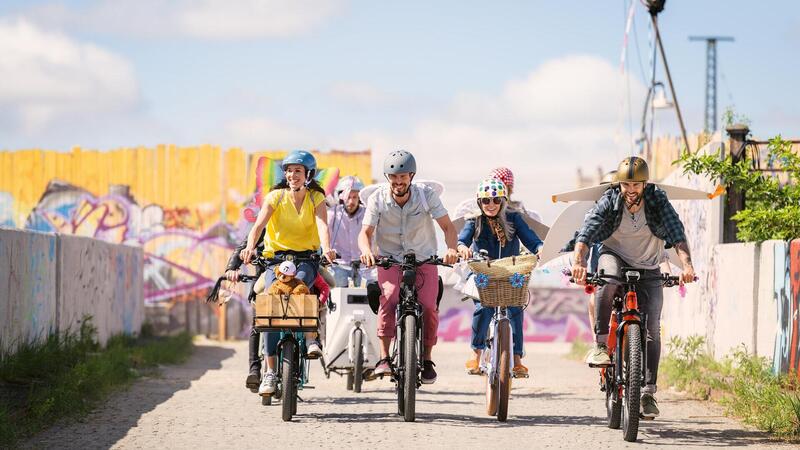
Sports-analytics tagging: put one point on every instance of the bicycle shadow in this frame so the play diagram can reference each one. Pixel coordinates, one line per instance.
(676, 432)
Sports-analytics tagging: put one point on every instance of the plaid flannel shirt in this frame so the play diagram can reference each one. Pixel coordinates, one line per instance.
(606, 216)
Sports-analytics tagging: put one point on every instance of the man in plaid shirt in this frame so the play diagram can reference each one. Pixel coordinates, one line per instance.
(635, 223)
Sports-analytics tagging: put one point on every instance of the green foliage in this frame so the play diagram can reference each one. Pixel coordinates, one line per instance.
(66, 375)
(730, 117)
(772, 209)
(578, 350)
(749, 389)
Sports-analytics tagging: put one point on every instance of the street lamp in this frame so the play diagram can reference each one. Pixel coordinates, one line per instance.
(659, 101)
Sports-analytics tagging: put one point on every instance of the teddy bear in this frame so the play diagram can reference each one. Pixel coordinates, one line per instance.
(285, 281)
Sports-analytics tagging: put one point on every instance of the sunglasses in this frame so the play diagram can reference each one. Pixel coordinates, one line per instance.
(495, 200)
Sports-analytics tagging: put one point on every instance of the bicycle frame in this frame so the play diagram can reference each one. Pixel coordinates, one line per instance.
(408, 305)
(624, 313)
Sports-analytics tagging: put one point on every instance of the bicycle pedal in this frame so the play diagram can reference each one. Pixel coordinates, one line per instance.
(643, 417)
(600, 366)
(521, 376)
(307, 386)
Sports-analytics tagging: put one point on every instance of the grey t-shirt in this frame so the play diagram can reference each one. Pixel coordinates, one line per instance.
(635, 243)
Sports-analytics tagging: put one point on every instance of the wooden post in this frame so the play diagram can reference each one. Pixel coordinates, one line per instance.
(222, 324)
(734, 198)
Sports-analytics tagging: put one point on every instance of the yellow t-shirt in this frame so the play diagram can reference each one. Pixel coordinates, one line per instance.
(287, 229)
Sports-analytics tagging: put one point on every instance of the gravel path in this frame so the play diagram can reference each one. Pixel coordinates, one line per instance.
(203, 404)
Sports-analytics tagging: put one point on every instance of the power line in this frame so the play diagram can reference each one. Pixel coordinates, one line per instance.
(711, 78)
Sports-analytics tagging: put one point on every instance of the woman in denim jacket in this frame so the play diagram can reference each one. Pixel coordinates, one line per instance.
(498, 230)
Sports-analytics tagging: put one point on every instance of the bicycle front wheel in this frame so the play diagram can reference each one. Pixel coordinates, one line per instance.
(503, 369)
(288, 381)
(411, 367)
(632, 369)
(358, 366)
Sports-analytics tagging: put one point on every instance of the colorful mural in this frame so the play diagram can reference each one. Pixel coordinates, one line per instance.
(553, 315)
(786, 357)
(183, 206)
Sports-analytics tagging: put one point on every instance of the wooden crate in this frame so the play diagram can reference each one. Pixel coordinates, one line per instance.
(296, 312)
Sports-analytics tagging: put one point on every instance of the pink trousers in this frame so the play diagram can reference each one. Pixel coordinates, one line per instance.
(427, 290)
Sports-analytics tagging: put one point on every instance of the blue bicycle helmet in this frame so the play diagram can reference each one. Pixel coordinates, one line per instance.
(303, 158)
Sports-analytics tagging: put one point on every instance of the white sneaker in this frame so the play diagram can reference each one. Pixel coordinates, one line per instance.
(314, 350)
(598, 356)
(268, 383)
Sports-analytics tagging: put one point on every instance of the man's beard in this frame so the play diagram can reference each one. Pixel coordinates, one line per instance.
(395, 191)
(631, 203)
(352, 210)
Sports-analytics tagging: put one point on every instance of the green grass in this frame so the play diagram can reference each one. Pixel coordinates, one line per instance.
(741, 382)
(579, 350)
(67, 375)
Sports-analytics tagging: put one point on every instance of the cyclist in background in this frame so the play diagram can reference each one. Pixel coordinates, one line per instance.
(344, 224)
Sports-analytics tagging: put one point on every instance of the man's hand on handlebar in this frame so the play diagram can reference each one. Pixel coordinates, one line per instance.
(368, 259)
(579, 273)
(232, 275)
(451, 257)
(329, 254)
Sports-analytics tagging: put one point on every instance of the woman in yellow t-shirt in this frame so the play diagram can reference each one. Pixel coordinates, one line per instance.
(296, 221)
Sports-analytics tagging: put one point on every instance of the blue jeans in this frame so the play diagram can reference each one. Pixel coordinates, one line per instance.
(307, 273)
(481, 319)
(343, 274)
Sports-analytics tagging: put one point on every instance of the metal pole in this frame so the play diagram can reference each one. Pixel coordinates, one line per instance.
(669, 79)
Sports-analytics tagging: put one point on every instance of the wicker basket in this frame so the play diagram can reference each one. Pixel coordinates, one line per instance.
(499, 291)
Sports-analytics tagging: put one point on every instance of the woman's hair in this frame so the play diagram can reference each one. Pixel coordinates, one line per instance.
(312, 186)
(501, 216)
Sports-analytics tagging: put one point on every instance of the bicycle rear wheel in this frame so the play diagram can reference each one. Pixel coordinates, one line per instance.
(632, 369)
(503, 369)
(288, 381)
(411, 367)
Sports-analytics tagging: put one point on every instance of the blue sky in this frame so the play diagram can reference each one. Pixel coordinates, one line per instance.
(534, 85)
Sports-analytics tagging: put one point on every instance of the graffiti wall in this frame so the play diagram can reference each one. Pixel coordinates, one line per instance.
(786, 295)
(184, 206)
(554, 314)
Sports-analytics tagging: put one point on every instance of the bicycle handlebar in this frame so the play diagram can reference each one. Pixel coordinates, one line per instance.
(388, 261)
(602, 279)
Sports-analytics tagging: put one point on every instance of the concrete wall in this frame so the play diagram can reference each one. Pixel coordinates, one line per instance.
(748, 295)
(103, 280)
(28, 288)
(49, 282)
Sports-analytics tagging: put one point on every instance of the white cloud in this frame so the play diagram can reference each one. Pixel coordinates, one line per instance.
(564, 115)
(46, 75)
(204, 19)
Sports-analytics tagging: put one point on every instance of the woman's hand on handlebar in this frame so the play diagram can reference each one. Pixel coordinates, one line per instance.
(247, 254)
(368, 259)
(464, 252)
(232, 275)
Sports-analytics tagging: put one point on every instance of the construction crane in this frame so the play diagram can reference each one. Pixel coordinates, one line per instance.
(711, 78)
